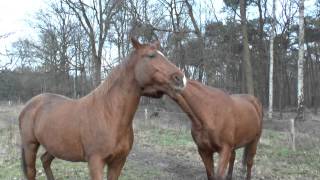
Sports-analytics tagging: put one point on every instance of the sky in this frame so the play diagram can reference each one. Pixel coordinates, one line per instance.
(13, 19)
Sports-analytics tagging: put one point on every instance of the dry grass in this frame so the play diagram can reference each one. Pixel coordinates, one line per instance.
(167, 152)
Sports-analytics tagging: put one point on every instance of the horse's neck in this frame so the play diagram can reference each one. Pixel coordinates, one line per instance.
(188, 100)
(118, 96)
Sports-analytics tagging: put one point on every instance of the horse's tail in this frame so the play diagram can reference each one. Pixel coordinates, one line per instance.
(244, 158)
(24, 117)
(23, 156)
(23, 162)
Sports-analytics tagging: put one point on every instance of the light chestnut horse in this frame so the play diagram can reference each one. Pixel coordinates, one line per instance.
(98, 127)
(222, 123)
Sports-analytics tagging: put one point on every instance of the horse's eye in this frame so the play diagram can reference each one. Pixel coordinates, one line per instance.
(151, 55)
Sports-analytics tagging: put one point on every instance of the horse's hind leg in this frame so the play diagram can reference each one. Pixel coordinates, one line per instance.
(46, 159)
(248, 156)
(231, 165)
(29, 154)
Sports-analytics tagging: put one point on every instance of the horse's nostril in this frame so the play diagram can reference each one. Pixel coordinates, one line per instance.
(177, 79)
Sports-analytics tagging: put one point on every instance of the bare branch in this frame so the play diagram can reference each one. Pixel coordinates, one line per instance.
(194, 23)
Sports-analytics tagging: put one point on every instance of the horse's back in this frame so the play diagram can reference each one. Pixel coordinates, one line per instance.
(42, 99)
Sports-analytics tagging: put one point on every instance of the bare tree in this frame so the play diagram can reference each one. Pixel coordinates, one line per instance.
(300, 92)
(3, 65)
(246, 50)
(272, 58)
(72, 39)
(95, 20)
(200, 40)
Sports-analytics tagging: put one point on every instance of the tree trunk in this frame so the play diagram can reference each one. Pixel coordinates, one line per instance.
(261, 63)
(200, 41)
(300, 93)
(316, 86)
(246, 51)
(96, 70)
(281, 86)
(271, 60)
(75, 79)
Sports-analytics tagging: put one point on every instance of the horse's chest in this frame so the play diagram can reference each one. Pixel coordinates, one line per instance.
(204, 139)
(124, 144)
(110, 144)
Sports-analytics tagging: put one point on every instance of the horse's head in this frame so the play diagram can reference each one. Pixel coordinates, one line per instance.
(154, 73)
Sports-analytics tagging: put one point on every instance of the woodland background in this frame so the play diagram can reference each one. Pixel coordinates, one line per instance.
(77, 43)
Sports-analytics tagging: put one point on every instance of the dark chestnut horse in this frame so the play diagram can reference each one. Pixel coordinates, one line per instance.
(98, 127)
(222, 123)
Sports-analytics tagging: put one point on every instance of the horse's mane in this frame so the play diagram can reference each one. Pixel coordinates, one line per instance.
(116, 74)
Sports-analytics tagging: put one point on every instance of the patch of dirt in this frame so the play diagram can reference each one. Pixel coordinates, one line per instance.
(174, 167)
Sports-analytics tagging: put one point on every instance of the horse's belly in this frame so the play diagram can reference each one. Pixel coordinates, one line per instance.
(60, 143)
(64, 150)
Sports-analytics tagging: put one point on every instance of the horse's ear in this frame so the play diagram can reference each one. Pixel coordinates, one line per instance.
(135, 43)
(155, 44)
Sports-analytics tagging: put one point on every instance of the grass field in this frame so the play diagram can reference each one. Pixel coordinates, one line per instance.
(168, 152)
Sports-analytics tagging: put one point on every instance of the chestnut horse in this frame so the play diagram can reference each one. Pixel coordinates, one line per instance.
(222, 123)
(98, 127)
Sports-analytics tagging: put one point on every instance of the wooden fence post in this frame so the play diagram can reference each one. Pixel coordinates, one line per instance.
(145, 113)
(292, 134)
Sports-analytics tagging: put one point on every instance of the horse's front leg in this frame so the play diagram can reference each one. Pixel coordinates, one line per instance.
(115, 167)
(224, 157)
(207, 158)
(96, 165)
(231, 164)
